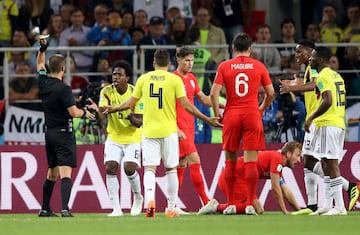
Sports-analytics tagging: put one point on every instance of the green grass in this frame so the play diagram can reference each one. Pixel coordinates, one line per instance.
(267, 224)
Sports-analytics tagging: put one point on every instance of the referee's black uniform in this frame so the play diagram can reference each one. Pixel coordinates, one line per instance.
(60, 141)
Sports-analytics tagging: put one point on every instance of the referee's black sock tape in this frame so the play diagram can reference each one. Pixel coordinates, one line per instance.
(66, 186)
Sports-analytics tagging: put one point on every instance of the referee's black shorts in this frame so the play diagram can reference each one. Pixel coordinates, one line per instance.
(60, 147)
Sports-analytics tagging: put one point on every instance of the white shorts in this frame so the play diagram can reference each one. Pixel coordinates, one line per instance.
(329, 142)
(155, 149)
(309, 142)
(121, 152)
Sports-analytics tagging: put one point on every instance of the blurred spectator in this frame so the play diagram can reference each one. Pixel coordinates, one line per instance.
(19, 39)
(292, 70)
(230, 15)
(208, 4)
(33, 13)
(120, 5)
(202, 129)
(17, 58)
(288, 36)
(211, 35)
(101, 65)
(330, 32)
(127, 21)
(155, 37)
(152, 7)
(201, 57)
(353, 123)
(78, 83)
(54, 29)
(352, 30)
(100, 14)
(170, 15)
(74, 36)
(184, 7)
(136, 35)
(8, 23)
(65, 12)
(24, 86)
(271, 118)
(178, 31)
(270, 56)
(313, 32)
(349, 59)
(141, 20)
(111, 34)
(334, 63)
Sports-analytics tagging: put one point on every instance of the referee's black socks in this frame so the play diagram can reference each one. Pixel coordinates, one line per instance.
(66, 186)
(48, 188)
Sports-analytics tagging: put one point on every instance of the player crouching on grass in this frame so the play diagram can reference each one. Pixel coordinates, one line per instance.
(270, 165)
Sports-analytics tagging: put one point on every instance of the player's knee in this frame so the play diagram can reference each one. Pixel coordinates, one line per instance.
(111, 168)
(129, 168)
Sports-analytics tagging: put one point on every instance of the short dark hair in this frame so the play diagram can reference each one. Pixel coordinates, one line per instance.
(242, 42)
(56, 62)
(263, 26)
(323, 52)
(286, 21)
(307, 43)
(162, 57)
(183, 51)
(125, 65)
(194, 33)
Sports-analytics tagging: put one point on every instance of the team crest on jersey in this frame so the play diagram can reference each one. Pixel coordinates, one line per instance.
(192, 83)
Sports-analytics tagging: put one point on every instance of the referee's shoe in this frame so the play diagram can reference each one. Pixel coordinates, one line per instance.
(47, 213)
(66, 213)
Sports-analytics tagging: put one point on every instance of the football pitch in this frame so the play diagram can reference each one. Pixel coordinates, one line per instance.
(267, 224)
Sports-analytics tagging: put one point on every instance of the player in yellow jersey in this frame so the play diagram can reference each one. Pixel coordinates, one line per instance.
(329, 119)
(123, 139)
(312, 165)
(159, 91)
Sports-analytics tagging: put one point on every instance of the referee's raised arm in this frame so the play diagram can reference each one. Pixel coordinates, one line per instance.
(40, 61)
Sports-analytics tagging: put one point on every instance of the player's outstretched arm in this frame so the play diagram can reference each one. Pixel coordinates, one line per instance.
(194, 111)
(286, 87)
(128, 104)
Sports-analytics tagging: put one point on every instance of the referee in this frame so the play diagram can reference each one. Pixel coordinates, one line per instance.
(59, 107)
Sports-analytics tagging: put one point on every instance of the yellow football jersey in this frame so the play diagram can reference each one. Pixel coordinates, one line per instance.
(119, 129)
(159, 90)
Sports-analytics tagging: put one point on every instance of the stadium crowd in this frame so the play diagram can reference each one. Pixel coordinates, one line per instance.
(121, 22)
(197, 23)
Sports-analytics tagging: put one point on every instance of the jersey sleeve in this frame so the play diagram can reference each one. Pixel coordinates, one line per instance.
(276, 163)
(219, 79)
(197, 87)
(179, 87)
(138, 88)
(68, 99)
(323, 84)
(265, 78)
(104, 99)
(139, 107)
